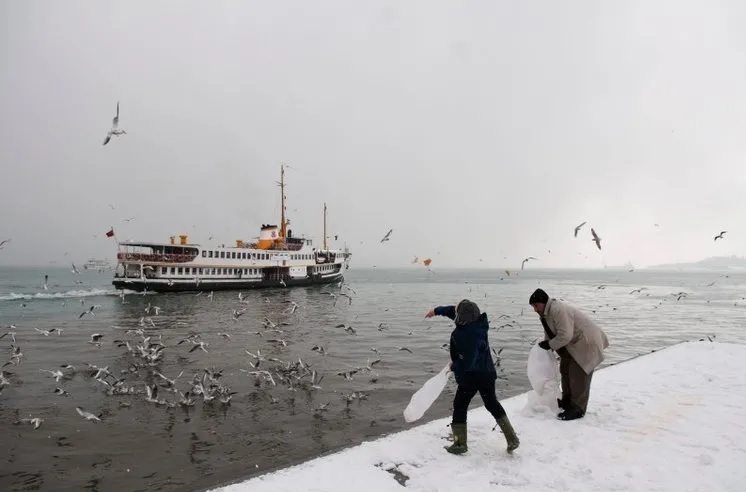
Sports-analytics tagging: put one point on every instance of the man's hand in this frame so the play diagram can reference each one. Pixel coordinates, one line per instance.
(544, 345)
(430, 313)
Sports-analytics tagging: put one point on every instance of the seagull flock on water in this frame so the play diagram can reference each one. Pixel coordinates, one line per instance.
(145, 346)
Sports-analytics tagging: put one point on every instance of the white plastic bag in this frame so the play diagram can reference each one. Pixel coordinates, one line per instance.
(425, 396)
(543, 375)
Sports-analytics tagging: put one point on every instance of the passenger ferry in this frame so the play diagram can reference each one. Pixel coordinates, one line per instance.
(276, 259)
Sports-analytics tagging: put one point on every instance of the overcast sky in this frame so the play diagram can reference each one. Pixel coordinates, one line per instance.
(476, 130)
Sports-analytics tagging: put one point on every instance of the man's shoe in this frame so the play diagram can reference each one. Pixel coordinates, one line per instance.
(571, 414)
(563, 403)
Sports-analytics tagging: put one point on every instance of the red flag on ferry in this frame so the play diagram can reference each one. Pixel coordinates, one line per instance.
(110, 233)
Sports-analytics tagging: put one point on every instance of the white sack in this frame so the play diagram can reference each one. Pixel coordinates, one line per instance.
(543, 374)
(425, 396)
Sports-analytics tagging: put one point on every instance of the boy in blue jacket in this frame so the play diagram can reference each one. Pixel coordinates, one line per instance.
(474, 370)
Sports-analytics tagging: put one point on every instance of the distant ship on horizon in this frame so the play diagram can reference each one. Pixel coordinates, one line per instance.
(97, 264)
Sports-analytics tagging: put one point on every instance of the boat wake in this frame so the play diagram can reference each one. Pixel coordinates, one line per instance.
(58, 295)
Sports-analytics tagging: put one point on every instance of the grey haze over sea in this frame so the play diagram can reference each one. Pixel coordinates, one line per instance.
(142, 446)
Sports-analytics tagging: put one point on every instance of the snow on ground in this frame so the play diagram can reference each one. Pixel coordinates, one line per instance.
(673, 420)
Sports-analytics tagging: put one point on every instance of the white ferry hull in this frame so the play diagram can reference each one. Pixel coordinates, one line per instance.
(181, 268)
(153, 285)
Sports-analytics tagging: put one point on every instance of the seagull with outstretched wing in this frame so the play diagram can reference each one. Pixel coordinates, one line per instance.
(596, 238)
(115, 130)
(87, 415)
(527, 259)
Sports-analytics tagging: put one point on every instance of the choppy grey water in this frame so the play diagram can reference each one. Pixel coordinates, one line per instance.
(145, 446)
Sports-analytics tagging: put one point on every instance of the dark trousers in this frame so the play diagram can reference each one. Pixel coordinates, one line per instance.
(485, 385)
(576, 384)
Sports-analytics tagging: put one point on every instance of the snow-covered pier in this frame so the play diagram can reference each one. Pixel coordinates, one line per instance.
(672, 420)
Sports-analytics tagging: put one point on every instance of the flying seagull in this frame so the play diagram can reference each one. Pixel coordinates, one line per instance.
(525, 260)
(96, 339)
(387, 236)
(57, 374)
(319, 349)
(596, 239)
(87, 415)
(115, 130)
(578, 229)
(3, 242)
(36, 422)
(720, 236)
(88, 311)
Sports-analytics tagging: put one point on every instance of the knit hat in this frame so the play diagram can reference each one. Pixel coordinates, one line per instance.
(538, 297)
(466, 312)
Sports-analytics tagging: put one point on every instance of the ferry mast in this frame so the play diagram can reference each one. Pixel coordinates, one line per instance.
(283, 221)
(325, 248)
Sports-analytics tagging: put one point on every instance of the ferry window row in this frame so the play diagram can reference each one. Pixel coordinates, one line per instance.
(208, 271)
(242, 255)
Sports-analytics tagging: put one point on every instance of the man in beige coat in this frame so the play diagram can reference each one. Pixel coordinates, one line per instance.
(580, 343)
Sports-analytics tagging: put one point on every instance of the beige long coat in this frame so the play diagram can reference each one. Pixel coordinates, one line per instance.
(583, 338)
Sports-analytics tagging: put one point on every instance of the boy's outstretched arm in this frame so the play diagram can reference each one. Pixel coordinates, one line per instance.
(449, 311)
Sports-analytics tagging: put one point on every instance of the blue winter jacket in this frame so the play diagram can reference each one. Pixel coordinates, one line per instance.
(470, 347)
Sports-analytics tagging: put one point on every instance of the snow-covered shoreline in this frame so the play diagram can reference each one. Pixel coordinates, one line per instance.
(670, 420)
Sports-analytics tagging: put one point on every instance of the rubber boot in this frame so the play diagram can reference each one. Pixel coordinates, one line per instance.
(459, 439)
(509, 433)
